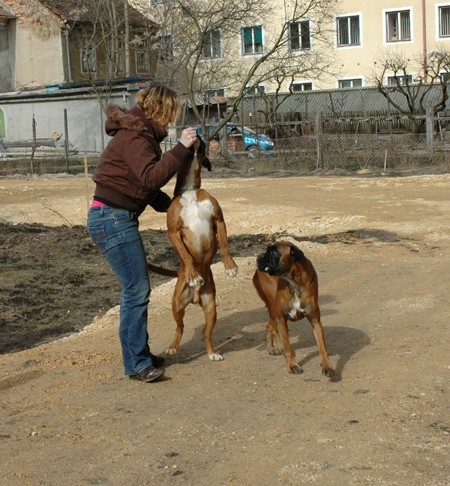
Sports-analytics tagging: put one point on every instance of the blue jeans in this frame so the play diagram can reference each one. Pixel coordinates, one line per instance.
(116, 233)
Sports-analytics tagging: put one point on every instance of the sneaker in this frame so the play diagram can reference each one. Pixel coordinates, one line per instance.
(148, 374)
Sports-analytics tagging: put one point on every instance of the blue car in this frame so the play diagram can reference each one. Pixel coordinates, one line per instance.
(253, 142)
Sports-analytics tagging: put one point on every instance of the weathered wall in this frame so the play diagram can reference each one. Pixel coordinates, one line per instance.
(85, 119)
(38, 47)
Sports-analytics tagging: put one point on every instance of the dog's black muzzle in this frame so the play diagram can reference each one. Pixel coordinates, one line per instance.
(269, 261)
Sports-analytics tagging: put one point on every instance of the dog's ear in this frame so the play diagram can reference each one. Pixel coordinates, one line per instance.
(200, 144)
(207, 164)
(296, 254)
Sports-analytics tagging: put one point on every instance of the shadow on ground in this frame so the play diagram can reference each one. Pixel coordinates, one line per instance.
(54, 281)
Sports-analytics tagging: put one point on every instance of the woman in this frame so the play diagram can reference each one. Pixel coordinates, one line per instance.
(131, 171)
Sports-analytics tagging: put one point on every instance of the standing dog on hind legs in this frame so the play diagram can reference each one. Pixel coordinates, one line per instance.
(195, 225)
(287, 283)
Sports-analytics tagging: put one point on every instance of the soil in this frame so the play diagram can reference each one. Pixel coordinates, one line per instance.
(381, 248)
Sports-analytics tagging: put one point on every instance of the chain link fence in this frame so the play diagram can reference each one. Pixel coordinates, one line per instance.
(332, 152)
(304, 149)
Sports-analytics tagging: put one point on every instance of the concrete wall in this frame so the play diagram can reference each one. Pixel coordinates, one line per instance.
(37, 46)
(85, 119)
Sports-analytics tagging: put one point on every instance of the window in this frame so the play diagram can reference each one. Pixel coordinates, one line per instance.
(400, 80)
(212, 93)
(211, 44)
(398, 26)
(348, 31)
(445, 77)
(255, 90)
(119, 58)
(350, 83)
(165, 47)
(88, 56)
(296, 87)
(299, 35)
(252, 40)
(142, 59)
(444, 21)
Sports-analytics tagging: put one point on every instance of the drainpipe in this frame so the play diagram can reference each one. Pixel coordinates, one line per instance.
(424, 40)
(65, 28)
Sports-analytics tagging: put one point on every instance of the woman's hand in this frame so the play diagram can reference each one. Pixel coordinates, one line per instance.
(188, 137)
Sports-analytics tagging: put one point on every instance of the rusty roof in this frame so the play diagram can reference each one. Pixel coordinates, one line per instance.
(81, 11)
(6, 13)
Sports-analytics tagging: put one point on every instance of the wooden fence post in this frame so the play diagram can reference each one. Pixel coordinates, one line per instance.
(66, 141)
(319, 140)
(430, 128)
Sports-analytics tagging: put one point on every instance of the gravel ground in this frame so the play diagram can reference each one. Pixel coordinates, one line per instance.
(380, 246)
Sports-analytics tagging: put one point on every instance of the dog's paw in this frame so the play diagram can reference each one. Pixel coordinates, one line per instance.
(196, 281)
(215, 357)
(171, 351)
(295, 369)
(231, 272)
(274, 351)
(328, 371)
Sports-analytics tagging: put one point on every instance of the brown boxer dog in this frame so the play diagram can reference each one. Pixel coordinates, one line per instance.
(196, 225)
(287, 283)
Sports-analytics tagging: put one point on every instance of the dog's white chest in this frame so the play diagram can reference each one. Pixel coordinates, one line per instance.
(196, 214)
(296, 307)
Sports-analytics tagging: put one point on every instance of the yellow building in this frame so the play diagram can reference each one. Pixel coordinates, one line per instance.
(366, 32)
(356, 39)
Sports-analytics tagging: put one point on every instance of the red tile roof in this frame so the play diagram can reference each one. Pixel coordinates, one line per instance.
(5, 13)
(69, 10)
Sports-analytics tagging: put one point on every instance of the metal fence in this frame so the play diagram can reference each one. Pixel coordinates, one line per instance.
(346, 152)
(296, 154)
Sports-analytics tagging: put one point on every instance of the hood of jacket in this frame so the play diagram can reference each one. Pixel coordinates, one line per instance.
(134, 119)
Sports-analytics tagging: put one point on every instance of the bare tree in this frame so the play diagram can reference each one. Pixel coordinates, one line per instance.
(411, 94)
(105, 31)
(207, 48)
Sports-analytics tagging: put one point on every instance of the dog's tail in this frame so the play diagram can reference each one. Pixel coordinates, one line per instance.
(165, 272)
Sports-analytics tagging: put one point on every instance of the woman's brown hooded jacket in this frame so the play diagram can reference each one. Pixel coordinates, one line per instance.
(132, 167)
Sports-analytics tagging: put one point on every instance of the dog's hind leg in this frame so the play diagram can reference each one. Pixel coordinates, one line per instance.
(208, 304)
(181, 298)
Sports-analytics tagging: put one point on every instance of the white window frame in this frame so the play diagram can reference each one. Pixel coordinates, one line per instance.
(398, 11)
(445, 77)
(288, 34)
(210, 33)
(389, 79)
(212, 93)
(439, 35)
(350, 80)
(242, 44)
(302, 84)
(348, 16)
(255, 90)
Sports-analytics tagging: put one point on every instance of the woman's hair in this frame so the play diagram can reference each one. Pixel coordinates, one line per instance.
(159, 103)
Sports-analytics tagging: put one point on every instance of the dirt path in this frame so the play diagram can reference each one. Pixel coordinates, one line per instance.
(381, 247)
